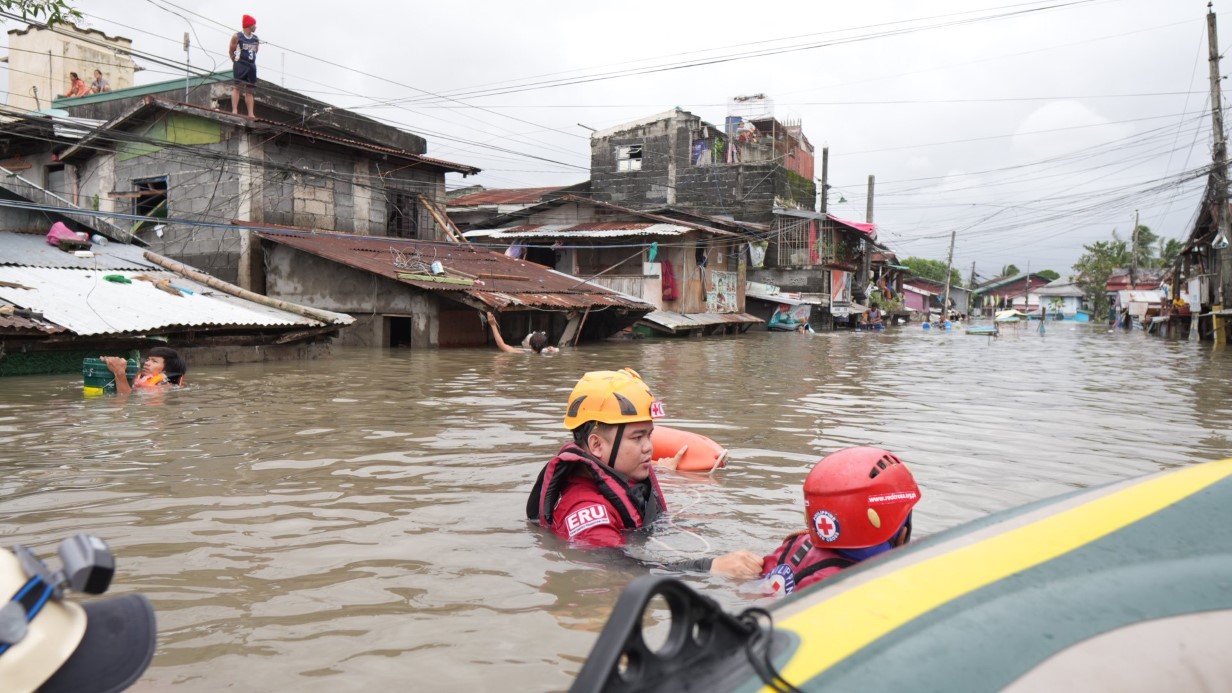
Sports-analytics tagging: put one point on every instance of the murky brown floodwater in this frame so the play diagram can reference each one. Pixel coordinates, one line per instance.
(358, 522)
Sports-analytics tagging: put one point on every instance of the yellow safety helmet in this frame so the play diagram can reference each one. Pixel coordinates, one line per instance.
(611, 397)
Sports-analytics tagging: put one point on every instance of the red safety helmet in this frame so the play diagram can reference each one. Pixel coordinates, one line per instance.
(858, 497)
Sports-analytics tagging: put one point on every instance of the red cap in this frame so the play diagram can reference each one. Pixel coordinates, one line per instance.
(249, 21)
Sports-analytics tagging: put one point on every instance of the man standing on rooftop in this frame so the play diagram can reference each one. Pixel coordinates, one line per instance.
(243, 52)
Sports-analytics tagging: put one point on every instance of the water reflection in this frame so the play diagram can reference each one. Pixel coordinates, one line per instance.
(310, 525)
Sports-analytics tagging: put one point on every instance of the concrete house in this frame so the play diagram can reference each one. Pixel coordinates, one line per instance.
(185, 170)
(743, 170)
(691, 268)
(40, 59)
(406, 293)
(754, 168)
(1062, 299)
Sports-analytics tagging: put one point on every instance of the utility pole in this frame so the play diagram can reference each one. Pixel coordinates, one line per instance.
(1219, 173)
(825, 177)
(868, 212)
(971, 290)
(1133, 251)
(949, 263)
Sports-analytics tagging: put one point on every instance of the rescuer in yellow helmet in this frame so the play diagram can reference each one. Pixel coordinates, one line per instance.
(602, 484)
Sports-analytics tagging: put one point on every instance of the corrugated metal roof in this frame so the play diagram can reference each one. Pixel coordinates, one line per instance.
(506, 196)
(589, 230)
(674, 321)
(86, 304)
(494, 279)
(32, 250)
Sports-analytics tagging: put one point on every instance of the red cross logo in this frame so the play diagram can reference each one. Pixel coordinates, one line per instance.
(826, 525)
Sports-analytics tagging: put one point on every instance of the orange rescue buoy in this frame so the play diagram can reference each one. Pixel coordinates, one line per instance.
(703, 455)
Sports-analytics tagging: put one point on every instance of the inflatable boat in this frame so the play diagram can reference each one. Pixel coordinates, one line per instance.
(1123, 587)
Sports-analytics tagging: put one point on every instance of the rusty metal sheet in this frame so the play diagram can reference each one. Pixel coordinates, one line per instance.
(499, 281)
(505, 196)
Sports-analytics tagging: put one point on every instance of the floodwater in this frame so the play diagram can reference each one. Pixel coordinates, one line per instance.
(357, 522)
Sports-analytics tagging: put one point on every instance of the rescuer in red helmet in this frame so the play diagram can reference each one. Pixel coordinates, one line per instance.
(857, 504)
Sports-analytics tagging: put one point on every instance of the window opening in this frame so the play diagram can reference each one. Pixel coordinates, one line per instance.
(149, 200)
(629, 157)
(403, 215)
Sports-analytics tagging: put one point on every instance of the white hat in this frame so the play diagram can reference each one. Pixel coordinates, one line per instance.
(51, 644)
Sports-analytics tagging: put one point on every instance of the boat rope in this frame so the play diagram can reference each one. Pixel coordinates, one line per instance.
(757, 649)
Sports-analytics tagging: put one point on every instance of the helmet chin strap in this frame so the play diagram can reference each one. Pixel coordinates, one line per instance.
(620, 433)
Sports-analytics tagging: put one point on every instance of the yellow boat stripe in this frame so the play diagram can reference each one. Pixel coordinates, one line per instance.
(838, 627)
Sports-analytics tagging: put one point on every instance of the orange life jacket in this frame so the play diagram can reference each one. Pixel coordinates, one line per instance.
(149, 381)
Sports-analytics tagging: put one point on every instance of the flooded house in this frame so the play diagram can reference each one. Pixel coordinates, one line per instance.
(190, 166)
(406, 293)
(1014, 291)
(960, 297)
(755, 167)
(1063, 299)
(692, 269)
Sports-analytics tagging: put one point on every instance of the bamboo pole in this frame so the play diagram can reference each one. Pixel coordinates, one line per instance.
(215, 283)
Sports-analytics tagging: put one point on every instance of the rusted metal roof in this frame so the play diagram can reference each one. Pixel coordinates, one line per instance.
(505, 196)
(674, 322)
(498, 281)
(588, 230)
(17, 324)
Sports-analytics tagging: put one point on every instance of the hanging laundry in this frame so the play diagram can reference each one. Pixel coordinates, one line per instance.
(669, 281)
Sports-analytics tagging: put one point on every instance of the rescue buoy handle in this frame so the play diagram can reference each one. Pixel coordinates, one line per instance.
(702, 638)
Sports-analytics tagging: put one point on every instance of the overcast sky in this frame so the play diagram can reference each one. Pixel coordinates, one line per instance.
(1030, 128)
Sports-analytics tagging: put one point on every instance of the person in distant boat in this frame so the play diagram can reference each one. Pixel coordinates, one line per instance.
(76, 86)
(162, 367)
(602, 484)
(100, 84)
(782, 321)
(243, 52)
(857, 504)
(536, 342)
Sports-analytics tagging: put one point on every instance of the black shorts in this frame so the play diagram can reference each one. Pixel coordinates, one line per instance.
(245, 72)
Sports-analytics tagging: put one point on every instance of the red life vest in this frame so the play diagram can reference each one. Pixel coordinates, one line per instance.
(797, 563)
(637, 504)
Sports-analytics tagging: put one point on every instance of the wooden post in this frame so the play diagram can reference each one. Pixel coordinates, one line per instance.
(578, 336)
(215, 283)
